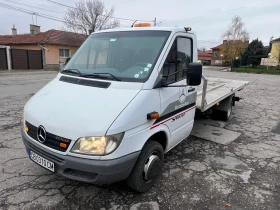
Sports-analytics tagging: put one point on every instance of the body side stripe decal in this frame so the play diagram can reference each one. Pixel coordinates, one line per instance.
(170, 117)
(174, 112)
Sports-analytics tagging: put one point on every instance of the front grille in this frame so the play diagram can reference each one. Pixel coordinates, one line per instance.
(52, 141)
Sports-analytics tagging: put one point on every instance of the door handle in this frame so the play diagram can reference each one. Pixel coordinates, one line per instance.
(191, 89)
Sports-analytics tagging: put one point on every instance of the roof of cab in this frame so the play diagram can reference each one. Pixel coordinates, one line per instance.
(171, 29)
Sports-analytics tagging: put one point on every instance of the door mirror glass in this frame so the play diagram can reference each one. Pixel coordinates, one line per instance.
(194, 74)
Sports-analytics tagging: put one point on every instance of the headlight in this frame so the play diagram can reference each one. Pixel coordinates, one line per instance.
(103, 145)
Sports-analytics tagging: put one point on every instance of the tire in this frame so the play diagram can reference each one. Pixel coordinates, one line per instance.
(223, 115)
(147, 168)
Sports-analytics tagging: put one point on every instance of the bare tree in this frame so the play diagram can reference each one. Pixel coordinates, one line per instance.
(90, 16)
(236, 39)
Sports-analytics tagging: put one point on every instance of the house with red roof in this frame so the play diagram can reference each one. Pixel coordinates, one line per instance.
(274, 55)
(275, 51)
(218, 57)
(50, 48)
(205, 56)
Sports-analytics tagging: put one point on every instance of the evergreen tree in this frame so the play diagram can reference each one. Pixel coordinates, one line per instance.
(254, 53)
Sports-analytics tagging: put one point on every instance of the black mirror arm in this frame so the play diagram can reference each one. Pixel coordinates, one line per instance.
(165, 86)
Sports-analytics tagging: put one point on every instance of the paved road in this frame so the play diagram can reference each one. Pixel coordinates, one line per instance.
(197, 174)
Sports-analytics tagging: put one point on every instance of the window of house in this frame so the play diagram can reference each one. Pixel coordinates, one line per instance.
(215, 54)
(178, 58)
(65, 53)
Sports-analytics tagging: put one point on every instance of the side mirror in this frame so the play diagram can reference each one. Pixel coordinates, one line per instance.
(194, 74)
(67, 60)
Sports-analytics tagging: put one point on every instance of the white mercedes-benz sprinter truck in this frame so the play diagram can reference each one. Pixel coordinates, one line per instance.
(122, 101)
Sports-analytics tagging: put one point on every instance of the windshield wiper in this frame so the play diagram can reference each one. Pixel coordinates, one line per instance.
(99, 75)
(75, 71)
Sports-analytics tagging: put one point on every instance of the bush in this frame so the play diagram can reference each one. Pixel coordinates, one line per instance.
(258, 70)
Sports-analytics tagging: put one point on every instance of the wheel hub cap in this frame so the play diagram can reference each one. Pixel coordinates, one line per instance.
(151, 167)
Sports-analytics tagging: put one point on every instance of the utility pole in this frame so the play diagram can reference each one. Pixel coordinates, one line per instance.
(155, 22)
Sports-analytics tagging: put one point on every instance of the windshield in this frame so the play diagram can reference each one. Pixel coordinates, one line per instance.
(127, 56)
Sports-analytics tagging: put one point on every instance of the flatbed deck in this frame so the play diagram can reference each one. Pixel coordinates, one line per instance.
(217, 89)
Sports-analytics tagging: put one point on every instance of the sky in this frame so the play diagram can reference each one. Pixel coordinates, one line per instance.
(209, 19)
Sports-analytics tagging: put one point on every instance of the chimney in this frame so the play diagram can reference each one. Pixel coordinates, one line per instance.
(14, 31)
(34, 29)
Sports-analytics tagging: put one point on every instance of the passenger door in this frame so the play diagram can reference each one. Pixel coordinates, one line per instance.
(177, 103)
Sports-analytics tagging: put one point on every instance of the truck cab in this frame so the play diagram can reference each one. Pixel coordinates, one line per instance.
(125, 98)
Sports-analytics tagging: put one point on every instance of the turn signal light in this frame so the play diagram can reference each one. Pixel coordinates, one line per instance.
(63, 145)
(26, 128)
(153, 116)
(218, 104)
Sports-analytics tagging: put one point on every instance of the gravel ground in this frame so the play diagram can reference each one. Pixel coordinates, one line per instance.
(197, 174)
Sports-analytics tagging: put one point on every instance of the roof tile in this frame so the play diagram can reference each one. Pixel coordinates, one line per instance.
(276, 40)
(48, 37)
(217, 47)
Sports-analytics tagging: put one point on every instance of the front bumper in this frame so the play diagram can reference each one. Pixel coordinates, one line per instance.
(86, 170)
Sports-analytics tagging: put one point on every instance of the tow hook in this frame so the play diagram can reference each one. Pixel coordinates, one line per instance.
(237, 98)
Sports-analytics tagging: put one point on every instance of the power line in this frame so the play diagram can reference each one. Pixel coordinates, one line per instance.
(26, 11)
(15, 8)
(7, 6)
(64, 5)
(36, 7)
(60, 4)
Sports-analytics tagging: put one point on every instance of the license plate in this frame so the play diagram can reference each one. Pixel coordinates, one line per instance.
(41, 161)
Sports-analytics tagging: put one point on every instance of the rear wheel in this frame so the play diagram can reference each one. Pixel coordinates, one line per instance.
(147, 168)
(223, 115)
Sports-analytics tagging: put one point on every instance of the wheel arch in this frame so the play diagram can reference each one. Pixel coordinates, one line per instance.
(161, 138)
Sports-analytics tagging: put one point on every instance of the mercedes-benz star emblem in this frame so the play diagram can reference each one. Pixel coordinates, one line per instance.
(41, 134)
(182, 96)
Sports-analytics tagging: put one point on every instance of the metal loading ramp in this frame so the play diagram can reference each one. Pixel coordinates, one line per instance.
(213, 90)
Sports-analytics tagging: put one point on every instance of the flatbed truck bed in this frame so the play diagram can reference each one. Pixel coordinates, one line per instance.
(213, 90)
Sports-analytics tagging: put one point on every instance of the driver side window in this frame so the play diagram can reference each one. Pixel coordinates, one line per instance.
(177, 60)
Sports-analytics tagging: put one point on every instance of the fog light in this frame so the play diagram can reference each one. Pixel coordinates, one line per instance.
(26, 128)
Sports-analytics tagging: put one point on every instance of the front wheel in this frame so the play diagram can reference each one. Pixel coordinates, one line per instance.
(147, 168)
